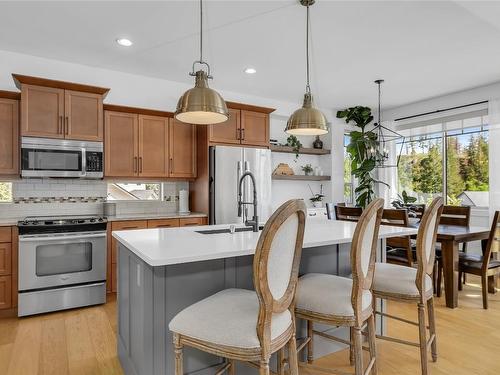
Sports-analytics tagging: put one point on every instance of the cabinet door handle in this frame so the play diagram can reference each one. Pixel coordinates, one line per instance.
(140, 164)
(60, 125)
(67, 126)
(238, 133)
(242, 134)
(135, 164)
(171, 164)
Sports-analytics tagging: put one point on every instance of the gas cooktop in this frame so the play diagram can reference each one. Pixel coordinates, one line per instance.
(60, 221)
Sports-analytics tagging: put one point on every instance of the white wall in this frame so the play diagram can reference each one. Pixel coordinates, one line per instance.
(147, 92)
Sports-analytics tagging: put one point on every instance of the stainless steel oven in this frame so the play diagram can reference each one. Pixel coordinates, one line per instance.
(62, 263)
(45, 157)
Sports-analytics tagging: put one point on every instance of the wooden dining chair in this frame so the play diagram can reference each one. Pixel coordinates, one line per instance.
(410, 285)
(245, 325)
(341, 301)
(457, 216)
(347, 213)
(399, 249)
(484, 266)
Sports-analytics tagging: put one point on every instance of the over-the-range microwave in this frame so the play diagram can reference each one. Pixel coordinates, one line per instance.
(45, 157)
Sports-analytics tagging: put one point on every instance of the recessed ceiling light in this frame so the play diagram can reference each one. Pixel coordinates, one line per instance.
(124, 42)
(250, 70)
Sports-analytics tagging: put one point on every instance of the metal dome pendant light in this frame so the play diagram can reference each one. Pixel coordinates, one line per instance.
(307, 120)
(201, 105)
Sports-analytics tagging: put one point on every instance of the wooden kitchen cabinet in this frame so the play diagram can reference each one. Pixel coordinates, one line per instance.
(254, 128)
(83, 116)
(182, 150)
(163, 223)
(9, 139)
(42, 111)
(120, 144)
(5, 292)
(8, 267)
(5, 259)
(153, 146)
(192, 221)
(57, 109)
(228, 131)
(247, 125)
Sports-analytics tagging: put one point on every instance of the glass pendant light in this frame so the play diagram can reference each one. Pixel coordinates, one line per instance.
(307, 120)
(201, 105)
(385, 136)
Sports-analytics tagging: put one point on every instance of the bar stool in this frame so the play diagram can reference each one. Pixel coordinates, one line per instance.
(410, 285)
(246, 325)
(340, 301)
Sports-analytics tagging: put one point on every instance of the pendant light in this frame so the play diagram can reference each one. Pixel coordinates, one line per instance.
(385, 136)
(201, 105)
(307, 120)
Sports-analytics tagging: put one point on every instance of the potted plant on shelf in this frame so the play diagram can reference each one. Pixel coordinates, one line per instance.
(292, 141)
(317, 199)
(363, 151)
(307, 169)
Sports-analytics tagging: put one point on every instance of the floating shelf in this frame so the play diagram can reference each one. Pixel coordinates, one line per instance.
(302, 150)
(300, 177)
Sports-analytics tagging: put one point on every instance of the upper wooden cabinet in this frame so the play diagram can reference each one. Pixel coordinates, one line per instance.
(57, 109)
(153, 146)
(247, 125)
(9, 135)
(182, 150)
(147, 143)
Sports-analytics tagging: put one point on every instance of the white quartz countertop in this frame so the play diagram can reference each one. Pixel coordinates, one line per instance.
(168, 246)
(132, 216)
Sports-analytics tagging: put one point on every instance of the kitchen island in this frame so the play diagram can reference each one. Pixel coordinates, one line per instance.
(162, 271)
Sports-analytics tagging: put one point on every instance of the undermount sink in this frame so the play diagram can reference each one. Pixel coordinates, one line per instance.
(226, 230)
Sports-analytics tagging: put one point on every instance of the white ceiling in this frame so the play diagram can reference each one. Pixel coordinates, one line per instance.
(421, 48)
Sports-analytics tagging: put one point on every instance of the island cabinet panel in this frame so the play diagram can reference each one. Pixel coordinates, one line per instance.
(42, 111)
(254, 128)
(120, 144)
(153, 146)
(228, 131)
(182, 150)
(9, 139)
(83, 116)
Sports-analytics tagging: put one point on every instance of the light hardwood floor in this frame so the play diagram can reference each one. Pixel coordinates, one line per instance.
(83, 341)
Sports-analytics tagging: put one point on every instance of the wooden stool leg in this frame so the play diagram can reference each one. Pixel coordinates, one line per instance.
(231, 370)
(279, 361)
(423, 337)
(484, 288)
(292, 356)
(372, 343)
(178, 355)
(310, 344)
(358, 352)
(432, 328)
(351, 347)
(264, 367)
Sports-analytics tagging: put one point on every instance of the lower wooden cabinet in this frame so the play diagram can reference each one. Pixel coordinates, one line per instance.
(5, 292)
(8, 267)
(139, 224)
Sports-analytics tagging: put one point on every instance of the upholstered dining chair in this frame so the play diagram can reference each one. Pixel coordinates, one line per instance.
(414, 285)
(483, 265)
(340, 301)
(245, 325)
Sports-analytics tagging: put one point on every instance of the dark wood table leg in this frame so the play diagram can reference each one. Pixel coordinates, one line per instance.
(450, 271)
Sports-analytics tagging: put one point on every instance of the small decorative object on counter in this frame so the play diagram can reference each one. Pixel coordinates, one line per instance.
(283, 169)
(318, 143)
(317, 199)
(307, 169)
(293, 141)
(184, 202)
(273, 142)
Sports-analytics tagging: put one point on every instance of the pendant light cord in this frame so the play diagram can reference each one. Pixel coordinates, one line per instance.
(201, 30)
(379, 121)
(308, 87)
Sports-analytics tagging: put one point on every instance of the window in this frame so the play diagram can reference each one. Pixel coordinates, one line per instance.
(451, 161)
(348, 178)
(134, 191)
(5, 192)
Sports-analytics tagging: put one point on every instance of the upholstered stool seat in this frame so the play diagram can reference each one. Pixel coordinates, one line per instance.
(396, 280)
(328, 295)
(228, 318)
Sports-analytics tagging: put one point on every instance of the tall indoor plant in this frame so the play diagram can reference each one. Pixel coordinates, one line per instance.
(364, 152)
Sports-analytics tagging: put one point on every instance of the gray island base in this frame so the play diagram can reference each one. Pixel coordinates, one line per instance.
(150, 296)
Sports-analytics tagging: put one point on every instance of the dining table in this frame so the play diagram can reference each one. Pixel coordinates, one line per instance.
(450, 237)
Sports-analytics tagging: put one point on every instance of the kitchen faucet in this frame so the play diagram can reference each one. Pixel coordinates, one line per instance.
(254, 223)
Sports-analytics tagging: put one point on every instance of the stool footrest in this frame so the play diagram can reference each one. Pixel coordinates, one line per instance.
(399, 341)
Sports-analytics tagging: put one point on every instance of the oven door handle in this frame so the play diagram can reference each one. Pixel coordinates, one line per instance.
(62, 237)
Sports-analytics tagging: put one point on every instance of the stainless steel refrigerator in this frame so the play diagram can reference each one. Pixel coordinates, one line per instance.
(227, 164)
